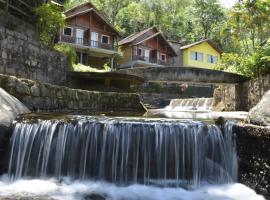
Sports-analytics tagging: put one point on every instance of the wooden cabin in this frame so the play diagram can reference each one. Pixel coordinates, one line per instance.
(146, 48)
(91, 34)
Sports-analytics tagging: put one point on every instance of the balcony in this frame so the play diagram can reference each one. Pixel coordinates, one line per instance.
(86, 43)
(149, 60)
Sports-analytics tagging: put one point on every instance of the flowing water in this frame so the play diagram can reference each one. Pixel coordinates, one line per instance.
(122, 159)
(192, 104)
(194, 108)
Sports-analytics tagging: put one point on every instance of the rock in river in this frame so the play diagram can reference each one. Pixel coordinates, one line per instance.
(10, 107)
(260, 114)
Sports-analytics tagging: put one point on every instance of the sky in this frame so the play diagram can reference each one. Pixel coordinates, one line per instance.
(228, 3)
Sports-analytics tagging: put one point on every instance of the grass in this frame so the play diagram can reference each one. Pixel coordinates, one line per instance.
(83, 68)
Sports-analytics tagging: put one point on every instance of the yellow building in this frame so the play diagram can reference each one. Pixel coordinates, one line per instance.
(203, 54)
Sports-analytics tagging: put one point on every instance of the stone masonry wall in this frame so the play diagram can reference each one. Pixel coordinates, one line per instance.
(39, 96)
(242, 96)
(23, 56)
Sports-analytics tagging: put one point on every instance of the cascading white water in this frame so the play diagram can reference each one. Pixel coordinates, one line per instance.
(192, 104)
(124, 151)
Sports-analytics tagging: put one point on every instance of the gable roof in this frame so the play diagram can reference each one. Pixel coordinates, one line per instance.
(164, 39)
(134, 36)
(210, 42)
(92, 9)
(81, 5)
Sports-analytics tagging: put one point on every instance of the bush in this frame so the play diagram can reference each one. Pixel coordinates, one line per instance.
(49, 21)
(255, 65)
(69, 52)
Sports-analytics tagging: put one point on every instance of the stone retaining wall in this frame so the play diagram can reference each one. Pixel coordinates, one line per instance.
(39, 96)
(242, 97)
(23, 56)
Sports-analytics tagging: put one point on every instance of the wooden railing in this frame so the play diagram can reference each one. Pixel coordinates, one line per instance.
(85, 42)
(149, 60)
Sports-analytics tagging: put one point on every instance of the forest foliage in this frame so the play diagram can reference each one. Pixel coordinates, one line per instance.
(241, 31)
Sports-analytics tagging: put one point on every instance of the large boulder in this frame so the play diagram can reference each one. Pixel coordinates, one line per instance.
(10, 107)
(260, 114)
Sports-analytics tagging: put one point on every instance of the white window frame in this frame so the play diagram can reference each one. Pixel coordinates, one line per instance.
(213, 59)
(137, 51)
(165, 56)
(71, 31)
(196, 57)
(105, 36)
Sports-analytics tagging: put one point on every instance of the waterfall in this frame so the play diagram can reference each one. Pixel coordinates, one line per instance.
(195, 104)
(168, 153)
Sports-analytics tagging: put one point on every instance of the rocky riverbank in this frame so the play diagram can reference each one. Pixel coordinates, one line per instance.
(253, 148)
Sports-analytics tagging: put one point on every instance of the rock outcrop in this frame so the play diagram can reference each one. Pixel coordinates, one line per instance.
(260, 114)
(253, 149)
(10, 107)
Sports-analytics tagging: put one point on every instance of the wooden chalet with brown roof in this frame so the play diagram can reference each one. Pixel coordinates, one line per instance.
(91, 34)
(146, 48)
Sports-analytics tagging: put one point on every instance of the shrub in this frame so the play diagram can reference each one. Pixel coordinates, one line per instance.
(69, 52)
(49, 21)
(255, 65)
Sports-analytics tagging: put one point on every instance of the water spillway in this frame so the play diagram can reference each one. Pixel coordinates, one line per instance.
(192, 104)
(124, 151)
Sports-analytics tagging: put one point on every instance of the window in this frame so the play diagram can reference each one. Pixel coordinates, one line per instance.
(139, 51)
(105, 39)
(212, 59)
(163, 57)
(68, 31)
(197, 56)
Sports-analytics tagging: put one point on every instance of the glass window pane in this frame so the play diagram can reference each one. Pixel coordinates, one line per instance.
(200, 57)
(105, 39)
(67, 31)
(193, 55)
(215, 59)
(139, 52)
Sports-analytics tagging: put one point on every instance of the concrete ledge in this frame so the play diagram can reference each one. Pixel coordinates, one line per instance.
(52, 98)
(188, 74)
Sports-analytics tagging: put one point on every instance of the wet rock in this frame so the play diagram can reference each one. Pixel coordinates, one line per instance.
(95, 197)
(253, 148)
(35, 91)
(22, 88)
(26, 197)
(260, 114)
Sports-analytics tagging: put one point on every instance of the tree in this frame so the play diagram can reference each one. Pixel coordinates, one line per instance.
(207, 14)
(49, 21)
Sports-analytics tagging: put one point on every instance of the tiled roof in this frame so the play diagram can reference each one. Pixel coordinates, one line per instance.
(133, 36)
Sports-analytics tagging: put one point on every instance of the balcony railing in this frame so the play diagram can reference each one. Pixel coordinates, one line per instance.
(149, 60)
(85, 42)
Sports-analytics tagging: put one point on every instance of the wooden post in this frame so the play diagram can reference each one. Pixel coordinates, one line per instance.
(81, 57)
(112, 63)
(7, 5)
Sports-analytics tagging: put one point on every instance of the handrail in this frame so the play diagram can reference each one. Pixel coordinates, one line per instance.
(149, 60)
(85, 42)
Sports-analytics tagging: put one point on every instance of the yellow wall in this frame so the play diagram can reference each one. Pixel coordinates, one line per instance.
(204, 48)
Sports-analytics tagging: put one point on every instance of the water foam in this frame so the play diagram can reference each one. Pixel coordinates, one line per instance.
(78, 190)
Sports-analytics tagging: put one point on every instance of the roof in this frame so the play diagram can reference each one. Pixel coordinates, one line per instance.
(81, 5)
(210, 42)
(134, 36)
(155, 35)
(93, 9)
